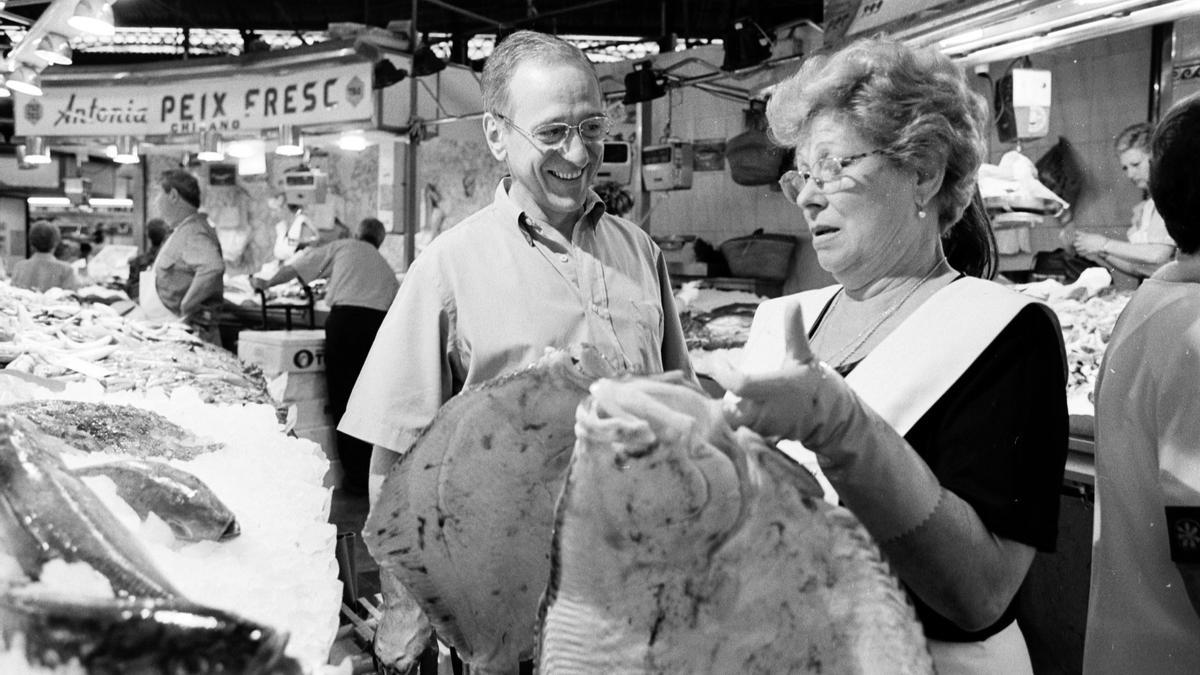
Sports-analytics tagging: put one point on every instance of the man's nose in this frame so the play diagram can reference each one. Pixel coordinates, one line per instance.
(574, 149)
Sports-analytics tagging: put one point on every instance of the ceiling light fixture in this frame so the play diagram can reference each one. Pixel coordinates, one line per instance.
(291, 141)
(352, 141)
(34, 151)
(94, 17)
(210, 147)
(54, 49)
(25, 80)
(48, 201)
(127, 150)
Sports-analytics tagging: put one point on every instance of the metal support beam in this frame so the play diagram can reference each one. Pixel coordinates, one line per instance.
(410, 177)
(457, 10)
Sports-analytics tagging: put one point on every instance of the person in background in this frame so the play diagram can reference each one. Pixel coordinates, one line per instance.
(189, 270)
(935, 401)
(361, 288)
(1144, 611)
(42, 271)
(1149, 246)
(543, 266)
(294, 235)
(156, 234)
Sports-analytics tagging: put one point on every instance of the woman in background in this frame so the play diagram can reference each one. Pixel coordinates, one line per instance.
(1149, 246)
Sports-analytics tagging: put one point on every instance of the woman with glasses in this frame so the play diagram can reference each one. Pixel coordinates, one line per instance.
(933, 399)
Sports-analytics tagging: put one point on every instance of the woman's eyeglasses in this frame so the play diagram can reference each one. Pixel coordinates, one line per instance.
(826, 173)
(554, 134)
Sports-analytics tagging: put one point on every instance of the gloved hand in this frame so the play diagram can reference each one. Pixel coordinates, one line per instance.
(876, 473)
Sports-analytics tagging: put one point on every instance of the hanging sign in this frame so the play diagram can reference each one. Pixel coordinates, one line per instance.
(175, 105)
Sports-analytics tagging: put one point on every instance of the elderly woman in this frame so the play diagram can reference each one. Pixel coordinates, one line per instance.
(1149, 245)
(934, 400)
(1144, 613)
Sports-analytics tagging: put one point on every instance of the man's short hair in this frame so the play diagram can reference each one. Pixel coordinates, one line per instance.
(524, 45)
(1174, 177)
(156, 231)
(182, 182)
(372, 231)
(44, 237)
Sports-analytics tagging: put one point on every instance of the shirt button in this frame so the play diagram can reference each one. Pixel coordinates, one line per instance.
(565, 258)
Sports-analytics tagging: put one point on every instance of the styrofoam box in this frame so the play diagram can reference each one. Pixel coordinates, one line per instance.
(309, 413)
(277, 351)
(326, 437)
(288, 387)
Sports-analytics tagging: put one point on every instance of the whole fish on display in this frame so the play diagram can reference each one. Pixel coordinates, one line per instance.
(48, 512)
(137, 635)
(683, 546)
(464, 518)
(108, 427)
(183, 501)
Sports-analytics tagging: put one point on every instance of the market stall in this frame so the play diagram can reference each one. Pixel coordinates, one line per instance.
(71, 361)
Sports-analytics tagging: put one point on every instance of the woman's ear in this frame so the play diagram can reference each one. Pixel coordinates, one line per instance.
(929, 183)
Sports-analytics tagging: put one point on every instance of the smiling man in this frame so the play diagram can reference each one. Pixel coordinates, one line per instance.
(542, 266)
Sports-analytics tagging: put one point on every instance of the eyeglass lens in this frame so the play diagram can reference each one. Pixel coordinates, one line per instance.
(591, 129)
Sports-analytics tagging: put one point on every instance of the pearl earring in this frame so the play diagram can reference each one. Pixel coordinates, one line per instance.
(921, 210)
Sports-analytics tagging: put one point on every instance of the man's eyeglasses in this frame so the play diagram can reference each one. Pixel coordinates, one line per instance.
(826, 174)
(554, 134)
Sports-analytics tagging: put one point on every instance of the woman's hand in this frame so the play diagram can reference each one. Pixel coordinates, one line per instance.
(1088, 244)
(775, 403)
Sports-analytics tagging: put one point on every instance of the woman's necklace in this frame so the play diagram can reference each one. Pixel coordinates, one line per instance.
(839, 358)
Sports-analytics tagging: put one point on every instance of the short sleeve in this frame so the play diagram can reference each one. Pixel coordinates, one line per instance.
(407, 375)
(674, 345)
(998, 437)
(314, 263)
(1178, 425)
(201, 254)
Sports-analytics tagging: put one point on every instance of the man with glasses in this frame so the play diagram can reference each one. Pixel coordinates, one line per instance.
(542, 266)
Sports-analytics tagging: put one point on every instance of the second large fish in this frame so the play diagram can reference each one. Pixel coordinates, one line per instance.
(682, 546)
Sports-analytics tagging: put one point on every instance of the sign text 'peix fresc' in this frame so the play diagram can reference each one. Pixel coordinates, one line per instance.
(319, 95)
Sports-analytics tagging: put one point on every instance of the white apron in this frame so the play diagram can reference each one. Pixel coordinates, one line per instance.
(901, 379)
(153, 309)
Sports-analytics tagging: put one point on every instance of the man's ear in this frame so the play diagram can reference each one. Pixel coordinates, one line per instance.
(494, 133)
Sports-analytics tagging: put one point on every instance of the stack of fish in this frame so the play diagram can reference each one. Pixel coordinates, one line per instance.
(54, 335)
(46, 511)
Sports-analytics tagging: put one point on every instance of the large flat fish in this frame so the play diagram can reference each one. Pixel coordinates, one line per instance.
(682, 546)
(184, 502)
(55, 513)
(138, 635)
(108, 427)
(464, 518)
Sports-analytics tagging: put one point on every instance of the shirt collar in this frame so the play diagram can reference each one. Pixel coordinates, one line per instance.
(593, 209)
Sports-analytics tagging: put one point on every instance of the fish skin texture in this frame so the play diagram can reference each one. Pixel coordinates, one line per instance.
(183, 501)
(108, 427)
(136, 635)
(682, 546)
(464, 518)
(64, 518)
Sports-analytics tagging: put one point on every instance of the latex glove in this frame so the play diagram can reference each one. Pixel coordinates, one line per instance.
(1088, 244)
(874, 470)
(774, 403)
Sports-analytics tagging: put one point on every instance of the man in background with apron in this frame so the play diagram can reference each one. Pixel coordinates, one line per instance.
(188, 279)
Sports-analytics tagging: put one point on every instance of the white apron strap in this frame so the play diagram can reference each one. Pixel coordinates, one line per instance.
(906, 373)
(764, 349)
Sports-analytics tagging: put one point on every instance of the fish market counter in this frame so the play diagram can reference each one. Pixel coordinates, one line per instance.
(273, 575)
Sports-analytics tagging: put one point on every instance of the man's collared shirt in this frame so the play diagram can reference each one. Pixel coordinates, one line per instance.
(191, 251)
(358, 274)
(491, 294)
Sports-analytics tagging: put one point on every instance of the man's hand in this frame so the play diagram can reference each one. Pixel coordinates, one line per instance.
(259, 284)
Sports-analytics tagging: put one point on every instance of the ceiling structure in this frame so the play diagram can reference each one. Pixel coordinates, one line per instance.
(650, 20)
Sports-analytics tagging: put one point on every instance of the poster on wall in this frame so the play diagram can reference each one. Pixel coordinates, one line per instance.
(708, 154)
